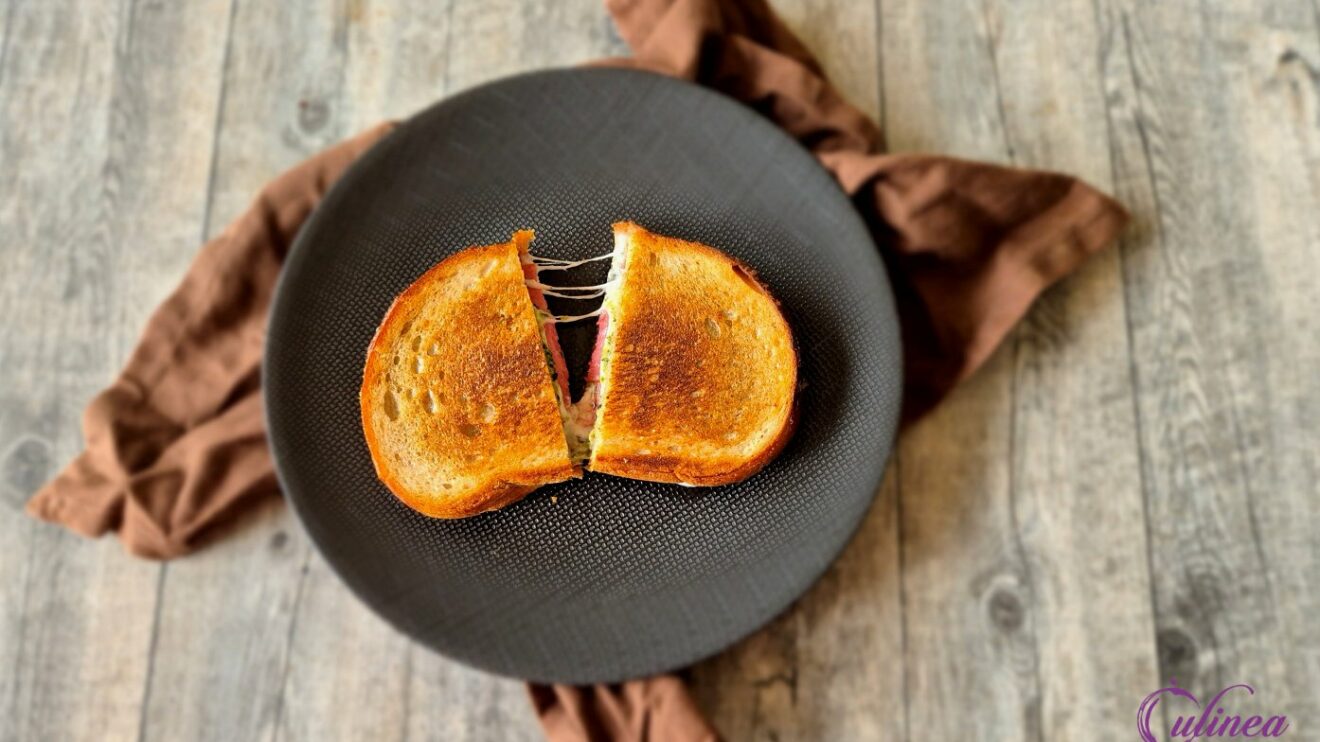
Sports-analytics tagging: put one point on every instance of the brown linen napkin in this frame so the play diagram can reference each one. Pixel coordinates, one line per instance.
(658, 709)
(177, 445)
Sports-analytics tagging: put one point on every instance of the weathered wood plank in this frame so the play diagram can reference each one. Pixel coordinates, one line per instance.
(105, 170)
(1027, 605)
(846, 633)
(227, 613)
(969, 613)
(970, 616)
(398, 59)
(348, 674)
(1072, 555)
(1076, 479)
(1215, 131)
(502, 37)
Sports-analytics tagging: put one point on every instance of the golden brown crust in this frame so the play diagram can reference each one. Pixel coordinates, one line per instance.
(456, 400)
(677, 470)
(491, 496)
(702, 382)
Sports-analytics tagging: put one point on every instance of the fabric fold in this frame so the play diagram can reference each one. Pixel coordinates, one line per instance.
(177, 444)
(658, 708)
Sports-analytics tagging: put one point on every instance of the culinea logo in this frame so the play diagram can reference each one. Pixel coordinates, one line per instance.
(1212, 721)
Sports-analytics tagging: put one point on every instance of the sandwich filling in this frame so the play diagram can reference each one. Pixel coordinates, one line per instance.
(554, 359)
(579, 418)
(593, 397)
(693, 304)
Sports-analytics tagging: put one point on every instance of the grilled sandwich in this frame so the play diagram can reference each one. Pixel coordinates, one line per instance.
(694, 376)
(461, 407)
(465, 396)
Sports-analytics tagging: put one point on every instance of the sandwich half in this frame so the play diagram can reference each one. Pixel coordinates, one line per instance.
(694, 376)
(464, 394)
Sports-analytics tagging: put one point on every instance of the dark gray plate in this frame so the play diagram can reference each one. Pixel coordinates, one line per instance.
(600, 579)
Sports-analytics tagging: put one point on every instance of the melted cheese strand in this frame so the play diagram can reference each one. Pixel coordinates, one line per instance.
(596, 294)
(555, 264)
(546, 259)
(545, 287)
(575, 317)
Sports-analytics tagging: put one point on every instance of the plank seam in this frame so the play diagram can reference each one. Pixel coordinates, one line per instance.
(151, 653)
(902, 595)
(1133, 376)
(449, 35)
(880, 76)
(4, 40)
(1028, 574)
(219, 120)
(288, 641)
(994, 78)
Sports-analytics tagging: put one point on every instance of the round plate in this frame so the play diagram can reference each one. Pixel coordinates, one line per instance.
(599, 579)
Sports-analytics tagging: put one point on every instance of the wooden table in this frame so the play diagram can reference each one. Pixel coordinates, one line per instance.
(1127, 492)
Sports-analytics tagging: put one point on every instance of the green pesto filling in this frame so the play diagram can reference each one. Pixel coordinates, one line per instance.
(576, 441)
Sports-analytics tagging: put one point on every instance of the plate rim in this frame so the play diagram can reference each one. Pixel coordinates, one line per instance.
(340, 190)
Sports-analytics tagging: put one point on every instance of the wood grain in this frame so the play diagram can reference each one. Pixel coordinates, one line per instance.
(1075, 471)
(106, 155)
(1126, 494)
(1025, 571)
(1216, 138)
(970, 603)
(228, 615)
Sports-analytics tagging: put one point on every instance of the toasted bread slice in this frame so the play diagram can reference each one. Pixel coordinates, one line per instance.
(459, 406)
(696, 374)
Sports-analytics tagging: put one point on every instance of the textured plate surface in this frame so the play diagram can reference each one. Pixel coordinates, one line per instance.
(600, 579)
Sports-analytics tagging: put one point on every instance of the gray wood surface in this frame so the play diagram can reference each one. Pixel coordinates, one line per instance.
(1126, 493)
